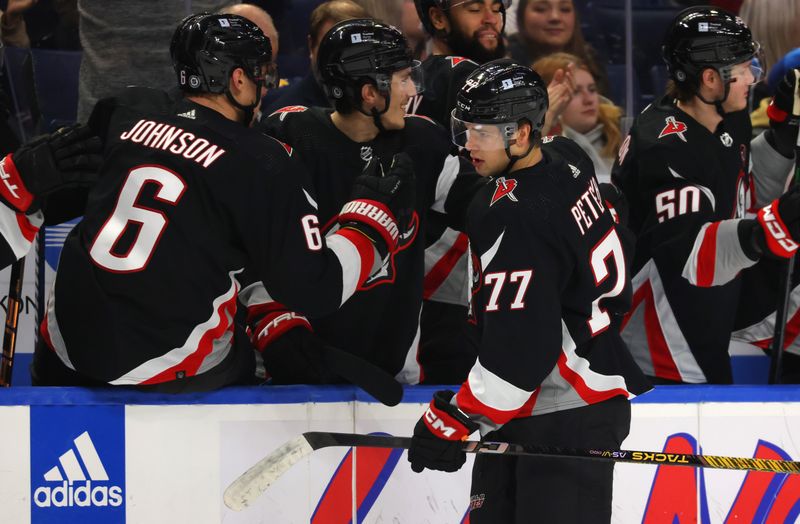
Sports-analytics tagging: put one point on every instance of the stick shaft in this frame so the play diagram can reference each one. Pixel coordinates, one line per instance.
(321, 439)
(13, 308)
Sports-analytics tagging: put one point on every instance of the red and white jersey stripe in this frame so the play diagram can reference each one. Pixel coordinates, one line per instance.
(18, 230)
(716, 257)
(653, 335)
(446, 269)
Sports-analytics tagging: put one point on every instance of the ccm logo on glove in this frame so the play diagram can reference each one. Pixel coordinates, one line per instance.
(437, 425)
(778, 239)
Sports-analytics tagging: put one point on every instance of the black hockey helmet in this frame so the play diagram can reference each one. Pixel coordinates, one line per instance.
(424, 7)
(206, 48)
(359, 51)
(704, 37)
(500, 94)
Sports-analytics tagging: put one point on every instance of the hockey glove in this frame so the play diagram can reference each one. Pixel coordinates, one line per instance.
(292, 353)
(381, 204)
(776, 230)
(69, 157)
(436, 443)
(784, 115)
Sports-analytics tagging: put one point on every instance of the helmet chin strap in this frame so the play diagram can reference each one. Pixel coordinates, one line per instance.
(376, 115)
(512, 159)
(247, 109)
(718, 103)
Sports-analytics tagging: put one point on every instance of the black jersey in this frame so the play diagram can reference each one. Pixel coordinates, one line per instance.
(445, 254)
(550, 287)
(687, 189)
(381, 322)
(146, 290)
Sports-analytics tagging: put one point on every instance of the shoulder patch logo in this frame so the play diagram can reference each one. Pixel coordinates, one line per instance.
(288, 109)
(504, 188)
(623, 149)
(673, 127)
(547, 139)
(455, 60)
(286, 147)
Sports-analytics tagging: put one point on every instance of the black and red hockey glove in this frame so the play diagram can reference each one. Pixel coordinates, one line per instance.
(784, 115)
(292, 353)
(69, 157)
(436, 443)
(776, 230)
(381, 204)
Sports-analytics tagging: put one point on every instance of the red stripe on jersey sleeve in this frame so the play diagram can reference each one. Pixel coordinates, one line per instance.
(27, 229)
(470, 404)
(366, 251)
(707, 256)
(589, 395)
(444, 266)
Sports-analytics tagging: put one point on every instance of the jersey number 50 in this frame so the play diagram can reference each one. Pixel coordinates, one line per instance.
(151, 222)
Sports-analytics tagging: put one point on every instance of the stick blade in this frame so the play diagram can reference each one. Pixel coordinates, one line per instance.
(255, 481)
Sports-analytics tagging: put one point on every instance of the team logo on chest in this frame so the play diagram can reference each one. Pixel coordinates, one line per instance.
(366, 153)
(726, 139)
(673, 127)
(505, 188)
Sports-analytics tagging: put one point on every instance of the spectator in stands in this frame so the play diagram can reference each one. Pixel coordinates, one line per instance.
(774, 24)
(308, 92)
(589, 119)
(551, 26)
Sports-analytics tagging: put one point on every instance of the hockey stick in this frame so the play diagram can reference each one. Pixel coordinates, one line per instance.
(13, 307)
(785, 285)
(369, 377)
(252, 483)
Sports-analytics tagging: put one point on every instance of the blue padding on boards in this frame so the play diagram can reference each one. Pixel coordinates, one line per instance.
(21, 396)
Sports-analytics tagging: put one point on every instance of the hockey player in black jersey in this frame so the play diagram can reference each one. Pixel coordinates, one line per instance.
(34, 180)
(368, 73)
(690, 174)
(147, 284)
(463, 34)
(550, 286)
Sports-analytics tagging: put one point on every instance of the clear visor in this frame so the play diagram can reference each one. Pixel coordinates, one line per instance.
(481, 137)
(410, 81)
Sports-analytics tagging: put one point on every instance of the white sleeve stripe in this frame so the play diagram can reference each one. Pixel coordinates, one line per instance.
(726, 261)
(350, 260)
(495, 392)
(255, 294)
(448, 174)
(13, 235)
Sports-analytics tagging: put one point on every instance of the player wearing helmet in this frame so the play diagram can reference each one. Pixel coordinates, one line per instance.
(550, 286)
(686, 170)
(367, 71)
(188, 198)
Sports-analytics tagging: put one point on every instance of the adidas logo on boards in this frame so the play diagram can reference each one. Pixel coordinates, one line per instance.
(77, 489)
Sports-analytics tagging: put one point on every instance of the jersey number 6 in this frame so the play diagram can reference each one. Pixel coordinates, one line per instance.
(151, 222)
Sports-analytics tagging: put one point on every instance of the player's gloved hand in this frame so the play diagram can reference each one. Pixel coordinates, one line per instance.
(436, 443)
(292, 353)
(784, 115)
(69, 157)
(776, 230)
(382, 203)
